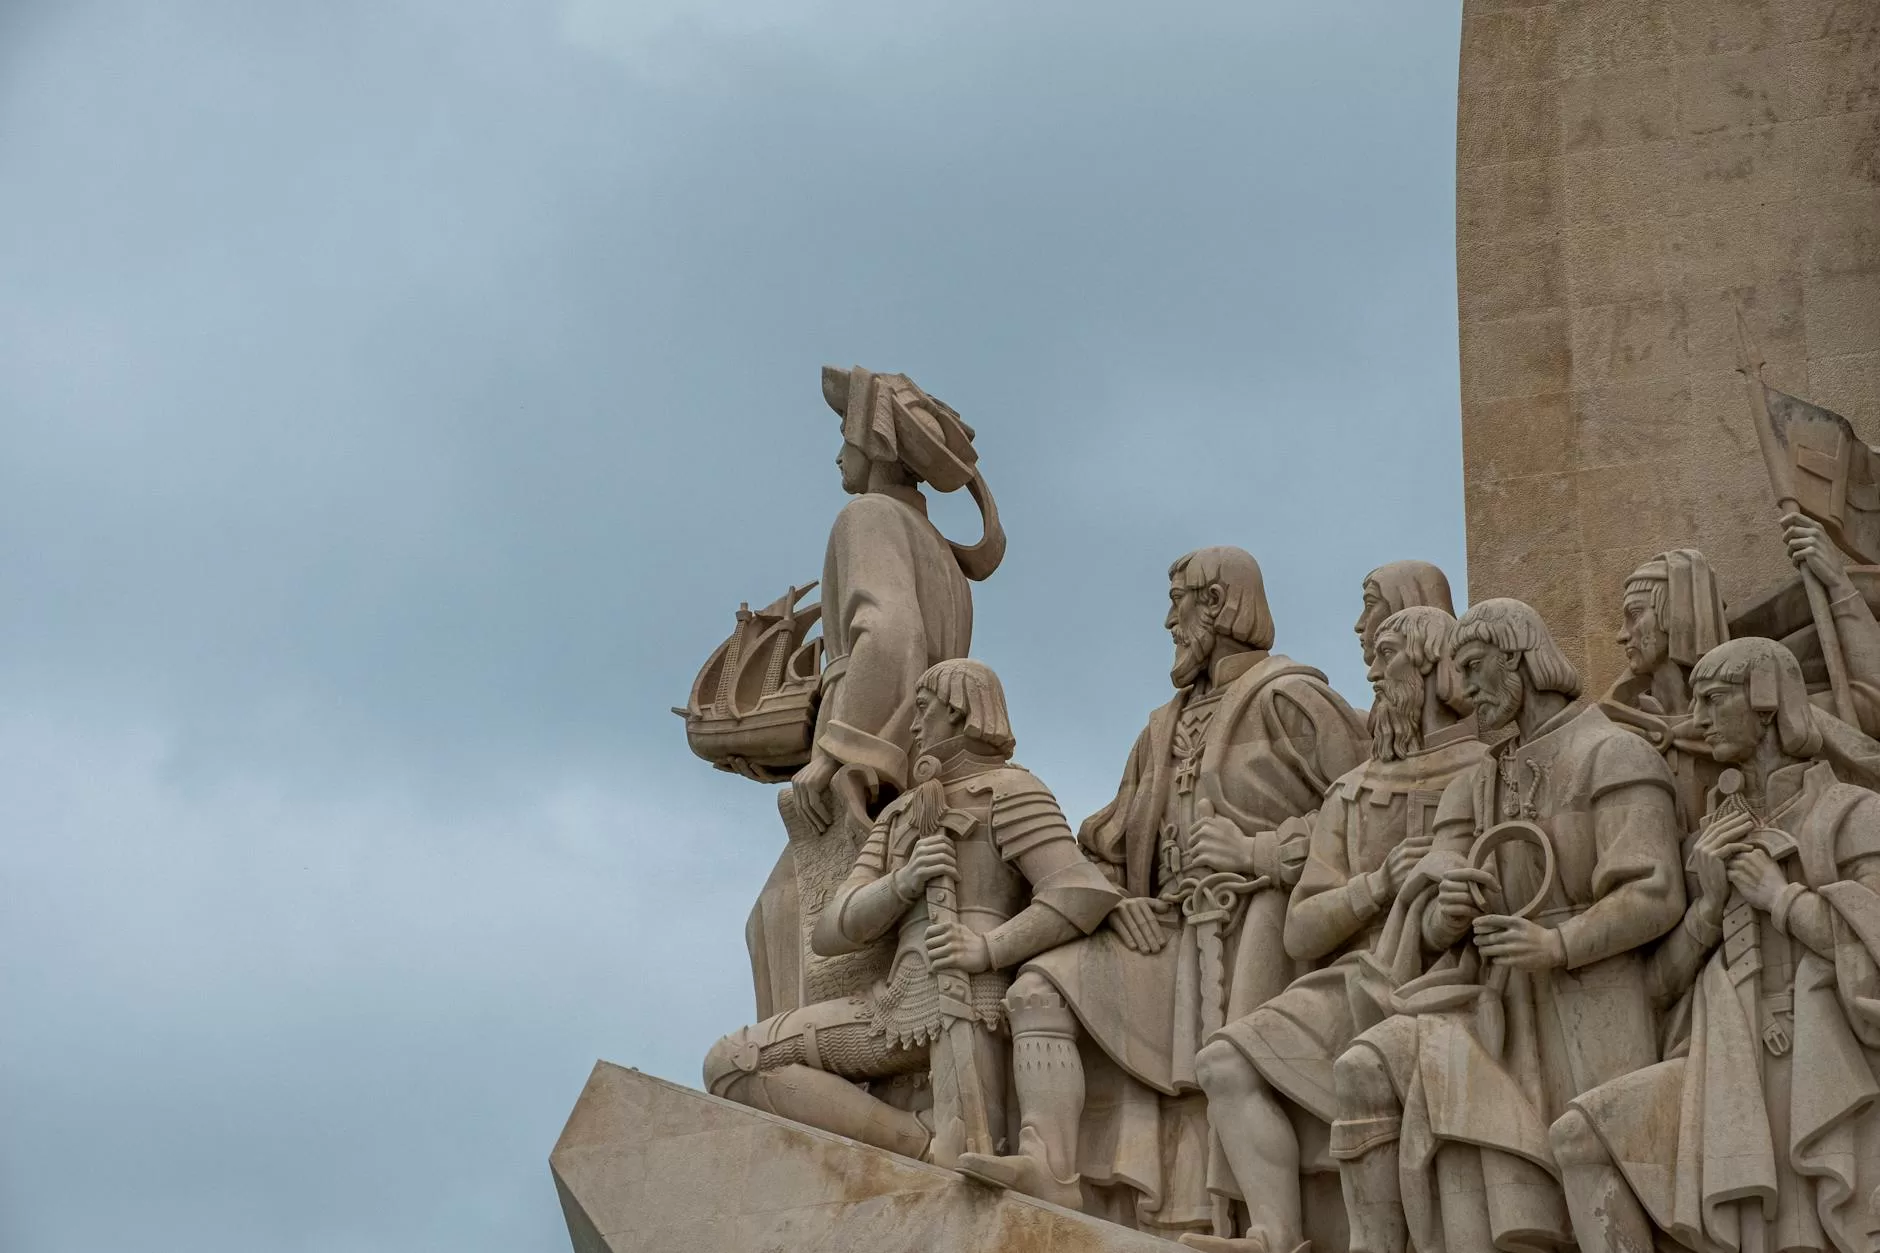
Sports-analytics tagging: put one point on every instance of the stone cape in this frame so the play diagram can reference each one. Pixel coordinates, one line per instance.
(1295, 1037)
(1718, 1145)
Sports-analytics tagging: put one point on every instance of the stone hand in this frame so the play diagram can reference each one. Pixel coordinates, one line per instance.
(1395, 872)
(1454, 903)
(932, 857)
(811, 785)
(1217, 844)
(1811, 550)
(1519, 942)
(1755, 875)
(1722, 840)
(951, 946)
(1137, 921)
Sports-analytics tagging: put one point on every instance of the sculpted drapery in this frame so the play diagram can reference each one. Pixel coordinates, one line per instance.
(1276, 740)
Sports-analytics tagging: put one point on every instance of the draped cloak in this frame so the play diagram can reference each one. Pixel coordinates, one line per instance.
(1294, 1038)
(1728, 1121)
(1604, 798)
(1276, 740)
(894, 602)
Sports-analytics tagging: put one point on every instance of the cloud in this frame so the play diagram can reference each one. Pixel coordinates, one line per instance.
(398, 398)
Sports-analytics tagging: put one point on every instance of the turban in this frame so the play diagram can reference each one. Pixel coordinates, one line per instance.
(1692, 614)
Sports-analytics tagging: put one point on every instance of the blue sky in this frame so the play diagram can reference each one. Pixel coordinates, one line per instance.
(397, 399)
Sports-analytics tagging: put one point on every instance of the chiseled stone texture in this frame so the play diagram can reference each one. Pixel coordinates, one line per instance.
(646, 1166)
(1624, 167)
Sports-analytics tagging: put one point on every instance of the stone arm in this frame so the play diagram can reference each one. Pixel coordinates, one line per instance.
(1070, 896)
(1454, 831)
(1677, 959)
(1860, 645)
(1802, 913)
(866, 907)
(1331, 904)
(872, 567)
(1638, 877)
(1314, 734)
(1104, 835)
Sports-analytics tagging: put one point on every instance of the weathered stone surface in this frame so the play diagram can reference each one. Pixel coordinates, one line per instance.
(1625, 169)
(646, 1166)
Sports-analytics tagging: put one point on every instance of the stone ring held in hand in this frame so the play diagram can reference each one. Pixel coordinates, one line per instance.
(1517, 830)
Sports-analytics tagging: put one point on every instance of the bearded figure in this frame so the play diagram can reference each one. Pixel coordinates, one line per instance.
(1555, 859)
(1271, 1071)
(1672, 614)
(1761, 1129)
(1208, 831)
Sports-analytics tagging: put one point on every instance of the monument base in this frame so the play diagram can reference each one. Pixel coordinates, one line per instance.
(646, 1166)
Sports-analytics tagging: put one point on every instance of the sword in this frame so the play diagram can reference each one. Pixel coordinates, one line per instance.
(955, 1055)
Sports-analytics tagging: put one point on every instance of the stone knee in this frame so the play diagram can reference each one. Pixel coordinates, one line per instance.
(1575, 1143)
(1036, 1007)
(730, 1062)
(1224, 1072)
(1369, 1112)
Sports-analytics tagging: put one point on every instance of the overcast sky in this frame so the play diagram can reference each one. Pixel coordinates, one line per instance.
(399, 395)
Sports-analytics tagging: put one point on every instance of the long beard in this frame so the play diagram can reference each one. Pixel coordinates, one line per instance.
(1192, 653)
(1397, 720)
(1499, 709)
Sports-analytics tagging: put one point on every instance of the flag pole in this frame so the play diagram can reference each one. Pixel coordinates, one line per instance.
(1776, 459)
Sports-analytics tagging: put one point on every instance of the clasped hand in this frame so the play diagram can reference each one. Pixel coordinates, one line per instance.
(953, 946)
(1724, 858)
(1216, 843)
(932, 858)
(1501, 938)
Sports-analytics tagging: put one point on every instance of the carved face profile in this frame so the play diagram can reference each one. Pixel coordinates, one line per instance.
(935, 721)
(1375, 610)
(1730, 725)
(1190, 623)
(1641, 633)
(1398, 682)
(1492, 679)
(852, 462)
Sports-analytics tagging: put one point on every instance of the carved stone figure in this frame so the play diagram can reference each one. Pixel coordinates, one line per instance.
(1671, 614)
(970, 872)
(1761, 1130)
(1206, 832)
(1443, 1110)
(1857, 632)
(896, 599)
(1265, 1070)
(1397, 586)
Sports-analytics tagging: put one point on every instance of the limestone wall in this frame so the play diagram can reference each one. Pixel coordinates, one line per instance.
(1623, 167)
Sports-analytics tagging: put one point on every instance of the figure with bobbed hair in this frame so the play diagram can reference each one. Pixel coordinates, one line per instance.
(1538, 989)
(1020, 885)
(1760, 1129)
(1208, 832)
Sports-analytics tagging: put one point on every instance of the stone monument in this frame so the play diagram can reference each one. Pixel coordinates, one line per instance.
(1626, 172)
(1572, 940)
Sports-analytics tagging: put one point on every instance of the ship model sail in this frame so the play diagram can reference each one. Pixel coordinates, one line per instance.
(753, 706)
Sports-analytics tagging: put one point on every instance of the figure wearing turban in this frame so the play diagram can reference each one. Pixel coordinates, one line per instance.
(1761, 1129)
(1672, 615)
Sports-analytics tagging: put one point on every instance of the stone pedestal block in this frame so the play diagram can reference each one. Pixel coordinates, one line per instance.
(646, 1166)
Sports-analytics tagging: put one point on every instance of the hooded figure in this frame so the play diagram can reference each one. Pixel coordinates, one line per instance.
(1398, 586)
